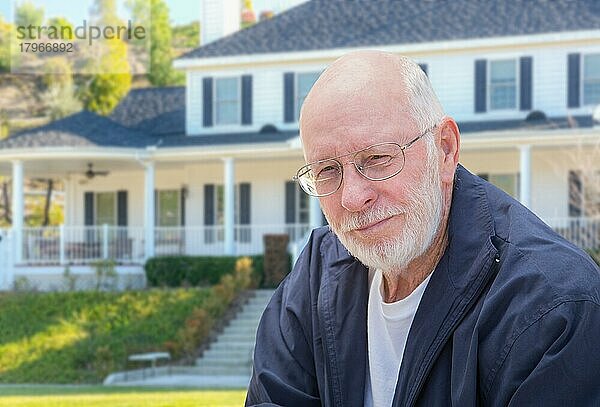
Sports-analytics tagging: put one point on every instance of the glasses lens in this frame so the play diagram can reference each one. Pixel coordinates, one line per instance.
(381, 161)
(320, 179)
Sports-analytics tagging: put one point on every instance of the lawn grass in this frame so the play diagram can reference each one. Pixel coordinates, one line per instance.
(100, 396)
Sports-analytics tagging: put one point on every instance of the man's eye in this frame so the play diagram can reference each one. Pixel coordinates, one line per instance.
(327, 172)
(377, 159)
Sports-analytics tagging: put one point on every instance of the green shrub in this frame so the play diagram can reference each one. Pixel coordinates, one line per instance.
(177, 271)
(595, 255)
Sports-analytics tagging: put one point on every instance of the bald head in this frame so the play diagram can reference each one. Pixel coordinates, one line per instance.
(377, 84)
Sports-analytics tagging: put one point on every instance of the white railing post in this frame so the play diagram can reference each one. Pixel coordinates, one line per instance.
(105, 241)
(61, 244)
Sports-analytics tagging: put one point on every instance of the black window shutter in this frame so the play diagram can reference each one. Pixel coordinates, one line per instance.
(480, 85)
(209, 212)
(182, 193)
(424, 68)
(526, 83)
(247, 99)
(575, 191)
(207, 102)
(209, 204)
(245, 203)
(290, 201)
(288, 97)
(573, 98)
(122, 208)
(245, 233)
(88, 208)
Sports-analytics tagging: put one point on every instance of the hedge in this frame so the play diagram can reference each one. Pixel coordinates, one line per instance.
(177, 271)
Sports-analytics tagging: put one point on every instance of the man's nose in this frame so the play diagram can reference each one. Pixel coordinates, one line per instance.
(357, 192)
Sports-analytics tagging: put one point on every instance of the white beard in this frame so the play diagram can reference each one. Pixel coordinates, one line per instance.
(422, 219)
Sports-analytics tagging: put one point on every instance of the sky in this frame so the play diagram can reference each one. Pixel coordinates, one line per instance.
(180, 11)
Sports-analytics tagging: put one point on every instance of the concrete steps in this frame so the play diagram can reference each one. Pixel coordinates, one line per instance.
(231, 353)
(227, 363)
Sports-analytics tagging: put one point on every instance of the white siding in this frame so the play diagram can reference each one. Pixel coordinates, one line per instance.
(267, 98)
(453, 79)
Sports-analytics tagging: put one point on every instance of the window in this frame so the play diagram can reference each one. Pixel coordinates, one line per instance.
(503, 84)
(240, 212)
(227, 101)
(591, 79)
(304, 82)
(168, 208)
(509, 183)
(106, 208)
(584, 193)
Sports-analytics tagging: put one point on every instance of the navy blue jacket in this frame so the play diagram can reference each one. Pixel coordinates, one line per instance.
(511, 316)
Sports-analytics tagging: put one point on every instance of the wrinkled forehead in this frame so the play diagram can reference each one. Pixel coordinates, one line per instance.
(354, 126)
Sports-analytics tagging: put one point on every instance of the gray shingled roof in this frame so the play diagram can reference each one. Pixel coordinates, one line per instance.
(87, 129)
(327, 24)
(153, 110)
(83, 129)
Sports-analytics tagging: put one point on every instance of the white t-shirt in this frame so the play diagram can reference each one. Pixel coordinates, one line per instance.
(388, 325)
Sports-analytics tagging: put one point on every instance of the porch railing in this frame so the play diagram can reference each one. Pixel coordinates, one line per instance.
(81, 244)
(85, 244)
(583, 231)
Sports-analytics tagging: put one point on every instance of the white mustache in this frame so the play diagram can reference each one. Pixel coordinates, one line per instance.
(362, 220)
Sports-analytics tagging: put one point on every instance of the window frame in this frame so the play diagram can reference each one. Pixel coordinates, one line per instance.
(216, 104)
(115, 209)
(583, 79)
(157, 204)
(298, 106)
(517, 66)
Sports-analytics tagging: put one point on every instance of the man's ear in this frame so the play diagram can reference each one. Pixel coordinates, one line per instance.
(449, 147)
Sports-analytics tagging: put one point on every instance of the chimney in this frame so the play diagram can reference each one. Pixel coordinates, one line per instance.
(219, 18)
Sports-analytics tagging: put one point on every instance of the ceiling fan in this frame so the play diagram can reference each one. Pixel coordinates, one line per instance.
(90, 173)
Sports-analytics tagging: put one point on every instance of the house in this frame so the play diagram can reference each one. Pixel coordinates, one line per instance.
(206, 169)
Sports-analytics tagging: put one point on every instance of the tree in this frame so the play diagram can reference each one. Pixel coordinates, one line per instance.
(161, 72)
(28, 14)
(60, 22)
(5, 30)
(102, 92)
(186, 36)
(59, 98)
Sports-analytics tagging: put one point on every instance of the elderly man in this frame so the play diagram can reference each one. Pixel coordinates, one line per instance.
(430, 287)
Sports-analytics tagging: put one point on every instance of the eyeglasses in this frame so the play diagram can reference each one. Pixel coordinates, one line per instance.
(377, 162)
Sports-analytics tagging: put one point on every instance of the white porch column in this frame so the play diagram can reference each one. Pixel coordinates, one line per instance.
(229, 205)
(17, 208)
(149, 209)
(525, 174)
(314, 215)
